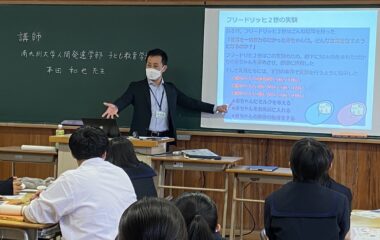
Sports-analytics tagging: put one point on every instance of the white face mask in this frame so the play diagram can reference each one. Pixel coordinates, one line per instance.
(152, 74)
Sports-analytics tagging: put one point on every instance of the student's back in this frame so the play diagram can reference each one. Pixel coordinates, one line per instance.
(96, 200)
(142, 180)
(330, 183)
(304, 209)
(122, 154)
(87, 201)
(309, 211)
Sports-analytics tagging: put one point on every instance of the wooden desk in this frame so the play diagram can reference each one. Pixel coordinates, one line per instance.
(146, 147)
(15, 155)
(192, 164)
(242, 174)
(15, 230)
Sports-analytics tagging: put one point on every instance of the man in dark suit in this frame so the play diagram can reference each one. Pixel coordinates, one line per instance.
(155, 101)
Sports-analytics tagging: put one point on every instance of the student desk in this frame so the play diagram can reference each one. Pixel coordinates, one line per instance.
(243, 174)
(145, 147)
(10, 229)
(16, 155)
(193, 164)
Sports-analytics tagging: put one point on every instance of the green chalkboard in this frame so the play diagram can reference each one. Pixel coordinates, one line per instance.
(63, 62)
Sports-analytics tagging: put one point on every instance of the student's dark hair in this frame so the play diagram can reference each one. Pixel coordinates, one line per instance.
(158, 52)
(308, 160)
(152, 219)
(200, 213)
(121, 153)
(326, 179)
(88, 142)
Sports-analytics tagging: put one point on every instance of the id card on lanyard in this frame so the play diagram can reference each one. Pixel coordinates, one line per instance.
(159, 114)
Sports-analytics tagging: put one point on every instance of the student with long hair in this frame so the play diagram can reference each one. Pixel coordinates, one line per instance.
(122, 154)
(152, 219)
(201, 216)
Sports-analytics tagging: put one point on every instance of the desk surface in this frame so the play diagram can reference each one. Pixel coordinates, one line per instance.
(16, 224)
(224, 160)
(283, 172)
(136, 142)
(17, 149)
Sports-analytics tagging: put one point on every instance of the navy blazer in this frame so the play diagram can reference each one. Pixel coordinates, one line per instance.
(138, 95)
(331, 184)
(6, 187)
(309, 211)
(142, 180)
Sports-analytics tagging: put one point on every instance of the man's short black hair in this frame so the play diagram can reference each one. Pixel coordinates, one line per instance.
(309, 160)
(158, 52)
(88, 142)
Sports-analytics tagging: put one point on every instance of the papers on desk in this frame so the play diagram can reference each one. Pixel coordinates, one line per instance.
(372, 214)
(19, 199)
(11, 206)
(200, 153)
(262, 168)
(153, 138)
(365, 224)
(365, 233)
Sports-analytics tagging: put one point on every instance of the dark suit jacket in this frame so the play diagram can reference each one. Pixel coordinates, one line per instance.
(6, 187)
(299, 211)
(138, 95)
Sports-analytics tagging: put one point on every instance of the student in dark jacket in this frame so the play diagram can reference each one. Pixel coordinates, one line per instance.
(122, 154)
(12, 186)
(304, 209)
(201, 216)
(330, 183)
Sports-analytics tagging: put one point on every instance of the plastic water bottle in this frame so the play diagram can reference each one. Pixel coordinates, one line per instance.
(60, 131)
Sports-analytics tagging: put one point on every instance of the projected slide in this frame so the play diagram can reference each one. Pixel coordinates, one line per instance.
(304, 68)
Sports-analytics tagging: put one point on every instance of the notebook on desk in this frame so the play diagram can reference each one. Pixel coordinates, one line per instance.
(262, 168)
(109, 126)
(201, 153)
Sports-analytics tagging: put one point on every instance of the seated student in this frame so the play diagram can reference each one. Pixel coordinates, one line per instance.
(201, 216)
(122, 154)
(12, 186)
(87, 201)
(152, 219)
(328, 182)
(303, 208)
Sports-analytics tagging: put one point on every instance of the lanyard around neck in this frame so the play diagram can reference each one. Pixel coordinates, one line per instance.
(155, 98)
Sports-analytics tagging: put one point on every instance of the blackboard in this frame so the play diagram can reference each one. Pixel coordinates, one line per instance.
(62, 62)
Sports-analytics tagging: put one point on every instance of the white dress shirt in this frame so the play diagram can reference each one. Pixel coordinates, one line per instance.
(87, 202)
(159, 102)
